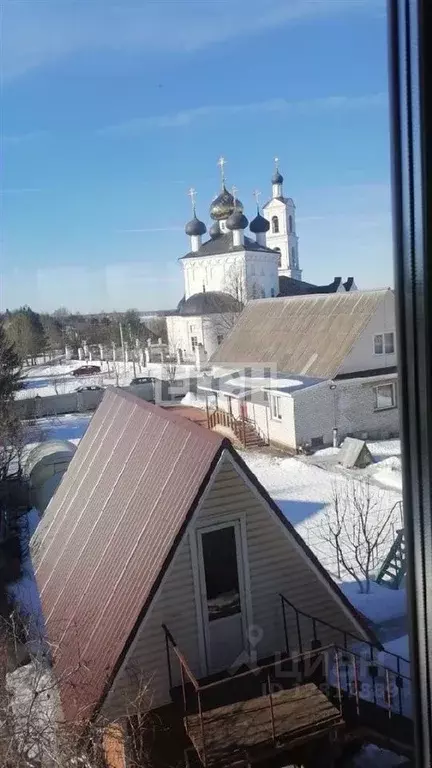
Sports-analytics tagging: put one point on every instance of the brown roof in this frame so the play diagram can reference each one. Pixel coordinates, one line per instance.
(111, 530)
(113, 524)
(307, 335)
(197, 415)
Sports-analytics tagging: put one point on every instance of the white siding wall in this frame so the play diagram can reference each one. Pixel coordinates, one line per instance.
(362, 357)
(275, 565)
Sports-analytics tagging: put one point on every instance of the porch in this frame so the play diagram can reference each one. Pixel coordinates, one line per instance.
(297, 703)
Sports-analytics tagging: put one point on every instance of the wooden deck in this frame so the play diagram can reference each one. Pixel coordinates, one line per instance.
(244, 730)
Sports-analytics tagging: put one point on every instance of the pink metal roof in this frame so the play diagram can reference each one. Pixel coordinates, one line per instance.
(109, 532)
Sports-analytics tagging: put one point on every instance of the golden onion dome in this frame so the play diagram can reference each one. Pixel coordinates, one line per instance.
(224, 205)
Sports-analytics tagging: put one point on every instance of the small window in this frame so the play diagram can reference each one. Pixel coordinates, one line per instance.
(384, 343)
(378, 344)
(389, 346)
(278, 250)
(219, 338)
(276, 407)
(275, 225)
(290, 223)
(194, 342)
(317, 442)
(385, 396)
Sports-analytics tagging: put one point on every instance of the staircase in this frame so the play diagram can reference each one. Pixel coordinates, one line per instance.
(244, 430)
(393, 569)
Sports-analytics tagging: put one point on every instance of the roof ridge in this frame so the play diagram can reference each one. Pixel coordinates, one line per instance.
(168, 415)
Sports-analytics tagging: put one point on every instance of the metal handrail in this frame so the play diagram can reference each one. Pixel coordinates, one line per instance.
(316, 621)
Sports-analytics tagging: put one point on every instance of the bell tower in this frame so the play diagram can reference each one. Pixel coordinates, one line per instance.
(282, 235)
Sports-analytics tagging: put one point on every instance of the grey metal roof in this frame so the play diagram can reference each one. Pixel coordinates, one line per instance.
(306, 335)
(224, 244)
(208, 303)
(289, 286)
(109, 532)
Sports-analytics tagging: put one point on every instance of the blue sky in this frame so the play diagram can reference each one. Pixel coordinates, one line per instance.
(112, 110)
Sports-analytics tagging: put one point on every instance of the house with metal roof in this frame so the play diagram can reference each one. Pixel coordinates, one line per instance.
(161, 561)
(338, 354)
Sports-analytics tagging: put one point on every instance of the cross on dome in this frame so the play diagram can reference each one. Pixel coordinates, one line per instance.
(222, 163)
(192, 194)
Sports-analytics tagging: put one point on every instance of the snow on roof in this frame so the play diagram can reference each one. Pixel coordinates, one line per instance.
(246, 382)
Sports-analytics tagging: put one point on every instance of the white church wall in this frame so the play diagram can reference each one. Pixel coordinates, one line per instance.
(208, 330)
(262, 277)
(214, 273)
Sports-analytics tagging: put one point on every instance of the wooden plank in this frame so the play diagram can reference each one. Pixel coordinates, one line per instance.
(246, 725)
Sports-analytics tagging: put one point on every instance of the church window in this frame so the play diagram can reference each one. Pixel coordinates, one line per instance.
(219, 338)
(290, 223)
(293, 257)
(278, 250)
(194, 342)
(275, 225)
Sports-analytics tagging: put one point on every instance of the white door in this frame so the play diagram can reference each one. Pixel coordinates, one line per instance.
(222, 593)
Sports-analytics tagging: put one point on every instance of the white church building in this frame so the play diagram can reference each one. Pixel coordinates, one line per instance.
(229, 269)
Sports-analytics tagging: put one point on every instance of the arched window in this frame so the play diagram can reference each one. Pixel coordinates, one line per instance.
(290, 223)
(278, 250)
(275, 225)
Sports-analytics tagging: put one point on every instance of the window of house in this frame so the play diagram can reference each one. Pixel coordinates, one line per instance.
(275, 225)
(384, 343)
(276, 407)
(317, 442)
(194, 342)
(290, 223)
(219, 338)
(385, 396)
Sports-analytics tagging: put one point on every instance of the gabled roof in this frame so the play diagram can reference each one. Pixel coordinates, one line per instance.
(289, 286)
(111, 530)
(224, 244)
(305, 335)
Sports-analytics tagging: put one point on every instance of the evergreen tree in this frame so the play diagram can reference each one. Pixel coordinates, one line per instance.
(9, 370)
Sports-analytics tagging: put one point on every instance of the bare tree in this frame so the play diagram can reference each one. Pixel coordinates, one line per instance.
(34, 732)
(235, 283)
(358, 525)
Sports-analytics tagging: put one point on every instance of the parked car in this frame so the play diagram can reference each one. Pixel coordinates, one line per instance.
(86, 370)
(142, 380)
(90, 388)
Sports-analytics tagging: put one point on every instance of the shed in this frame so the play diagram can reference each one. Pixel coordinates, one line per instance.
(45, 467)
(355, 454)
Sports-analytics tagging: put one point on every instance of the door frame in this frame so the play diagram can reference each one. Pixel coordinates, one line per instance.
(213, 523)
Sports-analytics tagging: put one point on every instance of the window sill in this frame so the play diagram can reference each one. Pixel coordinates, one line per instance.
(386, 408)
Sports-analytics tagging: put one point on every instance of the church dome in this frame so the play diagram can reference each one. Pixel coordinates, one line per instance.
(259, 224)
(215, 230)
(195, 227)
(237, 220)
(209, 303)
(277, 177)
(223, 205)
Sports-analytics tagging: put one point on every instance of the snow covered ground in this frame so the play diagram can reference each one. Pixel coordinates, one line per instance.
(57, 379)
